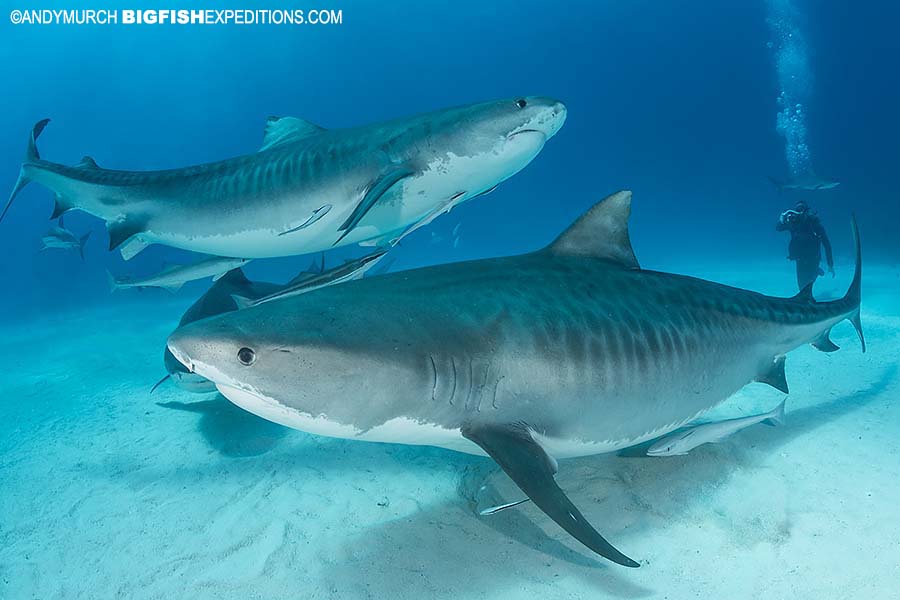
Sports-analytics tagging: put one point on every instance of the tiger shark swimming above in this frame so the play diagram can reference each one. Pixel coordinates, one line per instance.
(568, 351)
(308, 188)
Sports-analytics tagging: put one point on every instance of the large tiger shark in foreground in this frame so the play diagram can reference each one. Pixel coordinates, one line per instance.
(308, 188)
(568, 351)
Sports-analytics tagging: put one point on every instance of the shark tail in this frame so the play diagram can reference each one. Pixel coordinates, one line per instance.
(81, 242)
(854, 294)
(779, 185)
(31, 156)
(851, 301)
(114, 284)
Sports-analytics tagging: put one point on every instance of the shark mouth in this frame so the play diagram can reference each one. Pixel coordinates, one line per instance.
(521, 131)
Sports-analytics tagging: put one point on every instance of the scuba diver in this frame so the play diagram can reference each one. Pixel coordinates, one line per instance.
(807, 238)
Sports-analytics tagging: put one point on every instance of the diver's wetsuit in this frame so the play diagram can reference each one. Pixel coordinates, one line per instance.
(807, 237)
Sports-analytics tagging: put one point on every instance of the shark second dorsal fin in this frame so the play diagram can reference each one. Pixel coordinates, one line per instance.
(805, 295)
(284, 130)
(87, 162)
(601, 232)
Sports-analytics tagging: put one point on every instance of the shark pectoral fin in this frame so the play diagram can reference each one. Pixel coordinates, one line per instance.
(601, 232)
(823, 343)
(493, 510)
(376, 191)
(284, 130)
(774, 375)
(857, 325)
(532, 469)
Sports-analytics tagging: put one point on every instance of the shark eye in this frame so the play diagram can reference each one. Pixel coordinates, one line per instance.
(246, 356)
(521, 103)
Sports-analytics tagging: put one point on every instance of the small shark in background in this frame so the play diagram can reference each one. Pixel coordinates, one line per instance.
(571, 350)
(62, 238)
(218, 300)
(308, 188)
(809, 181)
(682, 442)
(351, 269)
(175, 276)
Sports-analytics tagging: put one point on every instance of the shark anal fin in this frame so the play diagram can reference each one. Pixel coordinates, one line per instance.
(532, 469)
(805, 295)
(774, 375)
(824, 344)
(376, 190)
(601, 232)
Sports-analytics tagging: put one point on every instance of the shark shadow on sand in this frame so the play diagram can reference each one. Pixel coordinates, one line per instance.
(232, 431)
(629, 494)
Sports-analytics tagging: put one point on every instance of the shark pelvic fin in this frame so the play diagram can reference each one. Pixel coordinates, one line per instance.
(122, 231)
(602, 232)
(532, 469)
(774, 375)
(823, 343)
(377, 189)
(284, 130)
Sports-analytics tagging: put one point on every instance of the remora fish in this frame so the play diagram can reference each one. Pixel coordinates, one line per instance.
(172, 278)
(682, 442)
(308, 188)
(353, 269)
(810, 181)
(217, 300)
(62, 238)
(568, 351)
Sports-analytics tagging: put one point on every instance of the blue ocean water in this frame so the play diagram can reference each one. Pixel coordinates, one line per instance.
(692, 105)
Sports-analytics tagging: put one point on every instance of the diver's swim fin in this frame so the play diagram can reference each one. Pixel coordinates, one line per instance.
(532, 469)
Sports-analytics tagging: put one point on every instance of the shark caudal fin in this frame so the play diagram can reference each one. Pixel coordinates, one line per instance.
(854, 294)
(114, 284)
(850, 299)
(31, 156)
(778, 185)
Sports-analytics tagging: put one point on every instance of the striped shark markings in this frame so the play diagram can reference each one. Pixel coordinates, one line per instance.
(308, 188)
(568, 351)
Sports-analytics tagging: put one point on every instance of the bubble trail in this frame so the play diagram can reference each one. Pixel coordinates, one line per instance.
(795, 83)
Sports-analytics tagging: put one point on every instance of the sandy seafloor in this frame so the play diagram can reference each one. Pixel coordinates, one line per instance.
(107, 492)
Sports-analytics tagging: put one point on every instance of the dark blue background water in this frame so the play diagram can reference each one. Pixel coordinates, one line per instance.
(673, 100)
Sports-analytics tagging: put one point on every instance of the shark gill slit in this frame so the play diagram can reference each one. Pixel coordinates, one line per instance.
(433, 379)
(453, 389)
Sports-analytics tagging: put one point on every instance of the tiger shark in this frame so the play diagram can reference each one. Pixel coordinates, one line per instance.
(808, 181)
(308, 188)
(569, 351)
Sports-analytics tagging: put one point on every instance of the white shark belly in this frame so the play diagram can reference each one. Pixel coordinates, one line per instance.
(399, 430)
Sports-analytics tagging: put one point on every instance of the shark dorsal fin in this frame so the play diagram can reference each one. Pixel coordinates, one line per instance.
(805, 295)
(284, 130)
(601, 232)
(87, 162)
(235, 276)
